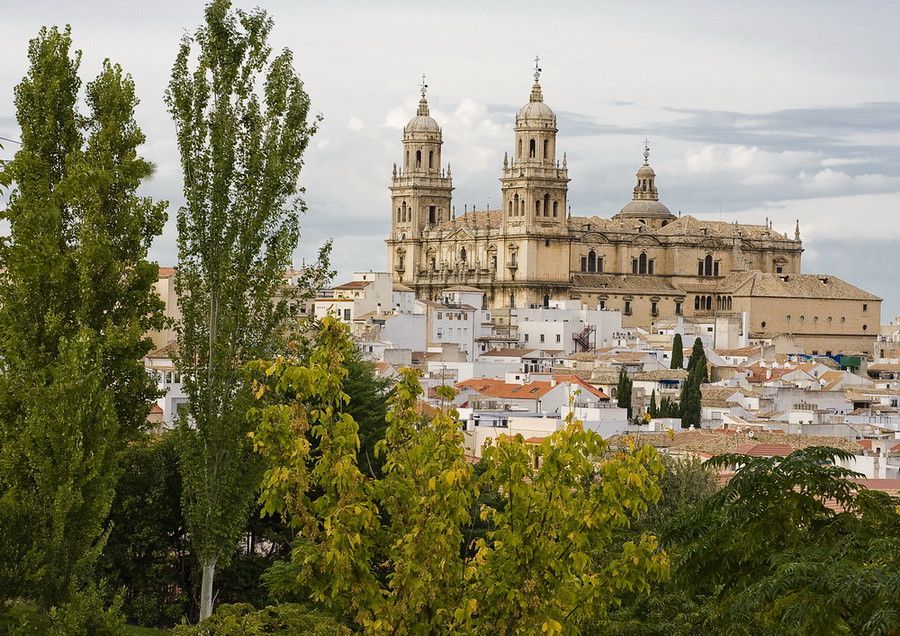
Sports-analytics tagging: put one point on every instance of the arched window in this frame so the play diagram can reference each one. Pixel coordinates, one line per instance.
(510, 208)
(462, 255)
(512, 300)
(592, 261)
(708, 303)
(696, 303)
(546, 301)
(555, 208)
(532, 149)
(418, 158)
(643, 185)
(519, 154)
(405, 216)
(398, 215)
(708, 265)
(546, 148)
(537, 207)
(516, 202)
(430, 158)
(642, 263)
(547, 205)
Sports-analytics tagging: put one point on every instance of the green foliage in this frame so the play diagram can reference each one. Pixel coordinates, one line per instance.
(76, 298)
(690, 401)
(652, 410)
(85, 612)
(146, 553)
(241, 116)
(244, 619)
(368, 406)
(677, 353)
(397, 554)
(624, 391)
(772, 550)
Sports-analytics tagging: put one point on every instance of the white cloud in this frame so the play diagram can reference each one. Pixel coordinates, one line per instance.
(356, 123)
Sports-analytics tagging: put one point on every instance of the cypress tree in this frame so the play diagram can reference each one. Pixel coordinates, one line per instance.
(652, 410)
(677, 353)
(690, 391)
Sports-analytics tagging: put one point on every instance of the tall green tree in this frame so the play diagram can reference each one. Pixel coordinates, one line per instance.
(677, 353)
(242, 120)
(691, 387)
(623, 391)
(652, 410)
(76, 298)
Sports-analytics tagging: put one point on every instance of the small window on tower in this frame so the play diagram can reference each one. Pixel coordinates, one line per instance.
(418, 158)
(546, 148)
(532, 150)
(430, 158)
(432, 214)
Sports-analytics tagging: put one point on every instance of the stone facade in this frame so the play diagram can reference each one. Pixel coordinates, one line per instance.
(644, 260)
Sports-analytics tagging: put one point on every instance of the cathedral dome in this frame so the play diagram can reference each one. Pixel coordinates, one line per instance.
(423, 121)
(645, 208)
(536, 109)
(645, 202)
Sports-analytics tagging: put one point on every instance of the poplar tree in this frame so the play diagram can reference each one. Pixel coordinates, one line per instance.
(76, 299)
(677, 353)
(241, 116)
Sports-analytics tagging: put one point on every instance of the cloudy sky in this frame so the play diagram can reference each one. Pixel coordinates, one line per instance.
(785, 110)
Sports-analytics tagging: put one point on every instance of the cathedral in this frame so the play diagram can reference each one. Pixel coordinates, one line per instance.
(643, 260)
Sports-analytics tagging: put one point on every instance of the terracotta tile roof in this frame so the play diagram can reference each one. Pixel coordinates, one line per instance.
(355, 284)
(660, 374)
(577, 380)
(166, 351)
(534, 440)
(764, 450)
(500, 389)
(507, 353)
(156, 409)
(865, 443)
(166, 272)
(717, 443)
(884, 366)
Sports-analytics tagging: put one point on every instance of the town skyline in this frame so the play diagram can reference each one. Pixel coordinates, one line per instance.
(806, 138)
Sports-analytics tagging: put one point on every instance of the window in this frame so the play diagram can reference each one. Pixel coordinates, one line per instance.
(697, 303)
(700, 268)
(546, 148)
(494, 262)
(462, 255)
(537, 207)
(546, 242)
(531, 149)
(650, 266)
(546, 205)
(542, 337)
(677, 307)
(346, 314)
(634, 266)
(558, 338)
(779, 269)
(418, 158)
(584, 264)
(432, 214)
(592, 261)
(546, 301)
(654, 309)
(716, 268)
(440, 315)
(865, 306)
(433, 264)
(555, 208)
(526, 337)
(430, 158)
(642, 263)
(601, 304)
(627, 311)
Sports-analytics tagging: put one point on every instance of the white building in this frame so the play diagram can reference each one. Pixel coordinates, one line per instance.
(567, 326)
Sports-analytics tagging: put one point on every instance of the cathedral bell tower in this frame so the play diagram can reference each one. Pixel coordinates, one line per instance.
(534, 184)
(420, 191)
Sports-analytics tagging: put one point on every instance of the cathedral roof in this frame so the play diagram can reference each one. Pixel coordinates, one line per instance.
(645, 208)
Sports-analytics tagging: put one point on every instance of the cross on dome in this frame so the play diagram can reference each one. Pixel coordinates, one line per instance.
(646, 152)
(537, 68)
(424, 86)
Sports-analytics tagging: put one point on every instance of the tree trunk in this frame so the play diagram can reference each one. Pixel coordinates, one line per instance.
(206, 589)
